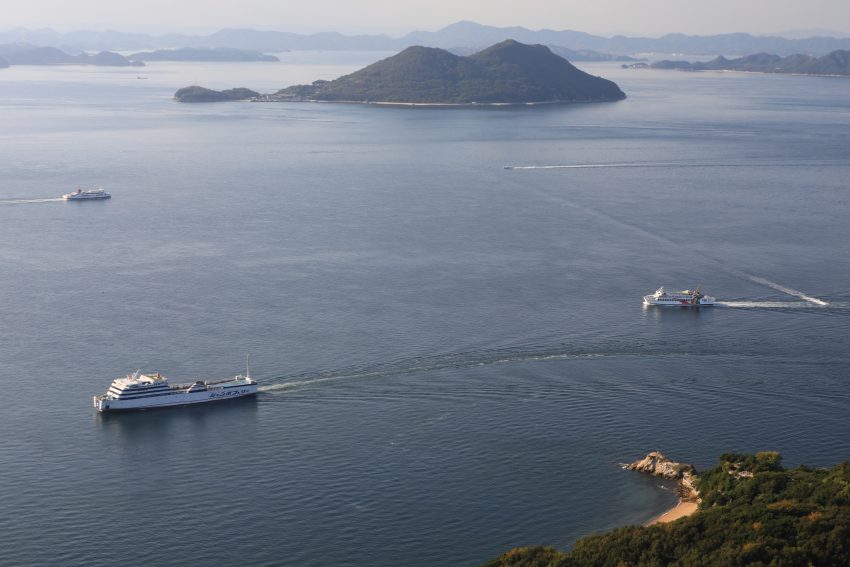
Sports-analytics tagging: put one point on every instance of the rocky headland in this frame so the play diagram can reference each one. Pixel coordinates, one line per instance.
(656, 464)
(506, 73)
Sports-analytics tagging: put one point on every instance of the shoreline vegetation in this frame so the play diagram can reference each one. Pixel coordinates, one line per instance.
(747, 510)
(682, 509)
(507, 73)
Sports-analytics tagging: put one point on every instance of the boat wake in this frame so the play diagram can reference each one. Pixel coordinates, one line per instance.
(29, 201)
(453, 362)
(765, 304)
(779, 287)
(594, 165)
(667, 241)
(670, 164)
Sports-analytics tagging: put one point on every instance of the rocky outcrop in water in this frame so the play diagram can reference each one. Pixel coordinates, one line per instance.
(656, 464)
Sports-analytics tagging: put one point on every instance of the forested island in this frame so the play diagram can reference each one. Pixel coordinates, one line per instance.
(506, 73)
(835, 63)
(25, 54)
(752, 511)
(200, 94)
(202, 54)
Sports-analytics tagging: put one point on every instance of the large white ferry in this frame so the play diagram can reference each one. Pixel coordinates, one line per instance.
(684, 298)
(86, 195)
(146, 391)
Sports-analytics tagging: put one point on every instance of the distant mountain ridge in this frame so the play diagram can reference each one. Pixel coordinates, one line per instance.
(202, 54)
(25, 54)
(506, 73)
(458, 35)
(835, 63)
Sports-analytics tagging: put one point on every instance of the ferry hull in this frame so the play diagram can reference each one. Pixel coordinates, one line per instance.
(650, 300)
(104, 404)
(98, 198)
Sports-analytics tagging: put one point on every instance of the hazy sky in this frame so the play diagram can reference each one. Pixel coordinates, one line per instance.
(645, 17)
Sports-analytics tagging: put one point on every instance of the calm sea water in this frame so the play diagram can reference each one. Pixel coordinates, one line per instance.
(454, 355)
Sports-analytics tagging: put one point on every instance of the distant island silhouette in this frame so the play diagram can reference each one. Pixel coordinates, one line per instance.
(835, 63)
(202, 54)
(459, 35)
(506, 73)
(25, 54)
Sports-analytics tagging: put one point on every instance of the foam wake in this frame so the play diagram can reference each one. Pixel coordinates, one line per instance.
(636, 228)
(457, 361)
(675, 164)
(765, 304)
(784, 289)
(28, 201)
(594, 165)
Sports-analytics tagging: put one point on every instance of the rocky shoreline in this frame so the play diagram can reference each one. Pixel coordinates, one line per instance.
(656, 464)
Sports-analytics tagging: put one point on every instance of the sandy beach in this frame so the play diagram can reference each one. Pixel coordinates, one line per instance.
(680, 510)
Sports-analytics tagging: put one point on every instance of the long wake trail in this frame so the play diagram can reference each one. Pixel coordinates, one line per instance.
(595, 165)
(719, 263)
(669, 165)
(467, 360)
(29, 201)
(780, 287)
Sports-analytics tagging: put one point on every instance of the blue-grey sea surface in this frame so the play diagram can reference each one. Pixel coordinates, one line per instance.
(454, 357)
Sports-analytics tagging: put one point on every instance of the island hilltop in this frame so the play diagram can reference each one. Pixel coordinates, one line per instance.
(506, 73)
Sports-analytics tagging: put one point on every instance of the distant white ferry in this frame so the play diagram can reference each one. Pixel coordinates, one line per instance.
(146, 391)
(86, 195)
(684, 298)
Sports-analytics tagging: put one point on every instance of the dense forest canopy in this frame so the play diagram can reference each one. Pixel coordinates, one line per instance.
(753, 512)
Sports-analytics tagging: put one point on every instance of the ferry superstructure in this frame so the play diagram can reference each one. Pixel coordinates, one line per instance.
(87, 195)
(145, 391)
(684, 298)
